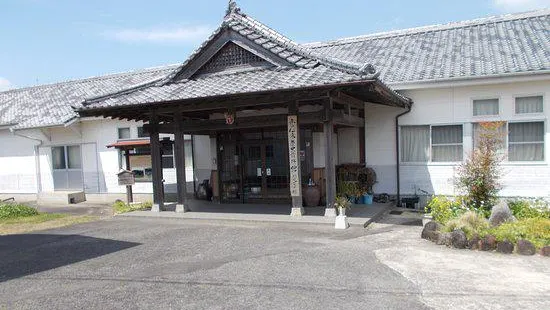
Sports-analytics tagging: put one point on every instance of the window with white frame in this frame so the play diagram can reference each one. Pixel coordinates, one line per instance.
(485, 107)
(432, 143)
(124, 133)
(526, 141)
(529, 105)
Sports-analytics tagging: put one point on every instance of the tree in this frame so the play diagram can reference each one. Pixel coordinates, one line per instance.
(479, 176)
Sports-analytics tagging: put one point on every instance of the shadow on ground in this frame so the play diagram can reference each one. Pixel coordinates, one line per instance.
(22, 255)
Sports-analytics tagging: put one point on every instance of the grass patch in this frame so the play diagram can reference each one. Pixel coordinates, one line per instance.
(120, 207)
(41, 221)
(471, 223)
(14, 210)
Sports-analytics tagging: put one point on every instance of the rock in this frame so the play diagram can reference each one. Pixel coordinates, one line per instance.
(432, 225)
(488, 243)
(545, 251)
(432, 236)
(505, 247)
(525, 247)
(501, 214)
(429, 228)
(458, 239)
(473, 244)
(444, 239)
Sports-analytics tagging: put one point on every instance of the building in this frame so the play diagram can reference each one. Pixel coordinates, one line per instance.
(258, 114)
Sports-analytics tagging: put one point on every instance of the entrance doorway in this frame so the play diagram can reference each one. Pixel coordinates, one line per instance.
(67, 168)
(254, 167)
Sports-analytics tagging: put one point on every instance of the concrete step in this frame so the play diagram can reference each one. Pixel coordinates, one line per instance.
(64, 197)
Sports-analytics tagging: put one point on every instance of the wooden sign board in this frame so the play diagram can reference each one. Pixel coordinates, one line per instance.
(126, 177)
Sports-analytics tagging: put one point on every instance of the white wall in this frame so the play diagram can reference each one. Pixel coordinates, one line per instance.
(18, 172)
(446, 106)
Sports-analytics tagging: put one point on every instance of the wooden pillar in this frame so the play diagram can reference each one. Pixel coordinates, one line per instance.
(156, 160)
(294, 160)
(179, 154)
(330, 173)
(129, 194)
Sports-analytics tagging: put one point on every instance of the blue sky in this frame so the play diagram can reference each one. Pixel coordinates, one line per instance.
(45, 41)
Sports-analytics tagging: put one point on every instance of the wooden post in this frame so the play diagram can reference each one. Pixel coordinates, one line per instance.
(129, 194)
(330, 173)
(156, 159)
(179, 153)
(294, 160)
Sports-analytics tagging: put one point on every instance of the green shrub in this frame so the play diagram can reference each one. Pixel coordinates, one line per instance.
(120, 207)
(536, 230)
(12, 210)
(529, 208)
(471, 223)
(444, 209)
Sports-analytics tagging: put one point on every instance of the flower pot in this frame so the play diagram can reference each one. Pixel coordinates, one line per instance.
(312, 196)
(342, 211)
(367, 199)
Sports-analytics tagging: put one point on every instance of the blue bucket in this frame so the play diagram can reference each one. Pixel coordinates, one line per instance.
(367, 199)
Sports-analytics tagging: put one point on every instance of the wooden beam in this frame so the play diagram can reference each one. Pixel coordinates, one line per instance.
(156, 159)
(179, 154)
(277, 120)
(330, 173)
(341, 118)
(344, 98)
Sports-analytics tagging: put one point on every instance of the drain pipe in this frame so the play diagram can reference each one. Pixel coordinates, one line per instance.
(398, 159)
(36, 156)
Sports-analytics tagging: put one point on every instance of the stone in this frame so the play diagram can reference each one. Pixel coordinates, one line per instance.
(525, 247)
(501, 214)
(505, 247)
(473, 244)
(432, 236)
(432, 225)
(488, 243)
(341, 222)
(545, 251)
(458, 239)
(299, 211)
(444, 239)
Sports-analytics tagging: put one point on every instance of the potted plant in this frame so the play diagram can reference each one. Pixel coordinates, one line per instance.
(342, 203)
(367, 179)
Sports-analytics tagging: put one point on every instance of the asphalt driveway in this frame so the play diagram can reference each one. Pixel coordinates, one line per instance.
(147, 263)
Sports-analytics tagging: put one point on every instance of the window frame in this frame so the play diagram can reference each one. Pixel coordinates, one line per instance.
(515, 97)
(544, 155)
(430, 155)
(491, 116)
(129, 133)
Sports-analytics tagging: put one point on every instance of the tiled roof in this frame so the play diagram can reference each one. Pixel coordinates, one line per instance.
(307, 69)
(503, 45)
(248, 81)
(508, 44)
(51, 105)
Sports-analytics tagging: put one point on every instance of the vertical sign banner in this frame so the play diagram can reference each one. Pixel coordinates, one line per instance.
(294, 156)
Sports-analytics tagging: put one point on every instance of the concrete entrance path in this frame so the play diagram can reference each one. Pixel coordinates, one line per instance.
(359, 215)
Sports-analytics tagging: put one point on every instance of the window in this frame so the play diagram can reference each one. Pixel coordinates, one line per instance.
(447, 143)
(435, 143)
(142, 133)
(58, 157)
(502, 132)
(73, 157)
(123, 133)
(526, 105)
(167, 155)
(415, 143)
(66, 157)
(485, 107)
(526, 141)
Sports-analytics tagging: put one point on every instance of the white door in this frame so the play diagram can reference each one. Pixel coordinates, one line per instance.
(67, 167)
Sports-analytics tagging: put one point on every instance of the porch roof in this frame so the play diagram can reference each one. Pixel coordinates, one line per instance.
(293, 67)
